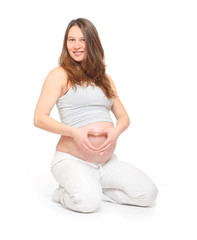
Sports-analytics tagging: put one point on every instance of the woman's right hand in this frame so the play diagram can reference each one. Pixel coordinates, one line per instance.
(80, 136)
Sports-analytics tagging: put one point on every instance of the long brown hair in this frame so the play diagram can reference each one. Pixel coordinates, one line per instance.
(92, 68)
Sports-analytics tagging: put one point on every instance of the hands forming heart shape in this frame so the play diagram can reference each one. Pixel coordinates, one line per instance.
(97, 138)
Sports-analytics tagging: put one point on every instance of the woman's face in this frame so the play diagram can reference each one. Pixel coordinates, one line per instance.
(76, 44)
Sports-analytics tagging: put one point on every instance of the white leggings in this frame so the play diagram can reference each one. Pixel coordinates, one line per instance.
(83, 185)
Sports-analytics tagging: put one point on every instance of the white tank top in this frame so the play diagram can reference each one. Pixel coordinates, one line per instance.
(84, 106)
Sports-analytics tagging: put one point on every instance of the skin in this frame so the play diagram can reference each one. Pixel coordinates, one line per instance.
(76, 44)
(95, 142)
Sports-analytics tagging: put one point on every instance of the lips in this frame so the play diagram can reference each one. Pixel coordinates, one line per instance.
(78, 53)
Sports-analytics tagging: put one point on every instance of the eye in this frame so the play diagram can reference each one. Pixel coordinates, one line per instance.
(71, 39)
(83, 39)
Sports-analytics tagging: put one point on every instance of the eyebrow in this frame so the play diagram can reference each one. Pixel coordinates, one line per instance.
(73, 37)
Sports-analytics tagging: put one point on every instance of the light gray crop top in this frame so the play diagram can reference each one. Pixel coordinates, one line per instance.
(84, 106)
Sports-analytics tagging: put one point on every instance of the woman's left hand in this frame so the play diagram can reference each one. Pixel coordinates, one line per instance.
(112, 136)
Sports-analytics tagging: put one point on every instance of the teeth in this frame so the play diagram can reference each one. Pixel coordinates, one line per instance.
(77, 53)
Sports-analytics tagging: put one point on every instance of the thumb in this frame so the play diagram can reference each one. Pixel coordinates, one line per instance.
(89, 145)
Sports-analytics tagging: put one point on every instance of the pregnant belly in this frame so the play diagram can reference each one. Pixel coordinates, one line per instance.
(97, 140)
(67, 144)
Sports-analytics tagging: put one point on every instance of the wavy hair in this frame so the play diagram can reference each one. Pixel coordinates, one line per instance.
(92, 68)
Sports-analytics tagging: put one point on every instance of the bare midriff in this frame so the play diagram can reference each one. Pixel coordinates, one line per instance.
(68, 145)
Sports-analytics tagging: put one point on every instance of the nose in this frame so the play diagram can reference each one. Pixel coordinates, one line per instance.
(77, 45)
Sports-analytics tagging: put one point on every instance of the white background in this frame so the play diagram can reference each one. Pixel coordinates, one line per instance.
(151, 54)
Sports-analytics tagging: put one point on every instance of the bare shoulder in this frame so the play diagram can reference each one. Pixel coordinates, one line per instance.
(58, 75)
(112, 83)
(58, 70)
(108, 77)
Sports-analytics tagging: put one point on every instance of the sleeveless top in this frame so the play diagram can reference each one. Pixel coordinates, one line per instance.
(84, 106)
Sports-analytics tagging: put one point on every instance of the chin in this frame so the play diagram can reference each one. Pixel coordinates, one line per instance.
(78, 60)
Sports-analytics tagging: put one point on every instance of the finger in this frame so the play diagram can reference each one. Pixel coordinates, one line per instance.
(108, 148)
(107, 141)
(91, 130)
(86, 148)
(94, 133)
(106, 145)
(103, 131)
(90, 146)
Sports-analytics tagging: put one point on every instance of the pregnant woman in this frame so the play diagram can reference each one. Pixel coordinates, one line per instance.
(84, 165)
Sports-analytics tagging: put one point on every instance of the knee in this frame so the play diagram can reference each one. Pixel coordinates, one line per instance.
(149, 196)
(85, 202)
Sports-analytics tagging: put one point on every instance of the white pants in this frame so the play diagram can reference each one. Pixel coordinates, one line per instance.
(83, 185)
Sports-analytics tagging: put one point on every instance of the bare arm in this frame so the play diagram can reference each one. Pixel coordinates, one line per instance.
(122, 123)
(119, 112)
(54, 84)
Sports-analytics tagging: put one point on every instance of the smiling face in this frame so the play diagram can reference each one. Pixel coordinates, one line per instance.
(76, 44)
